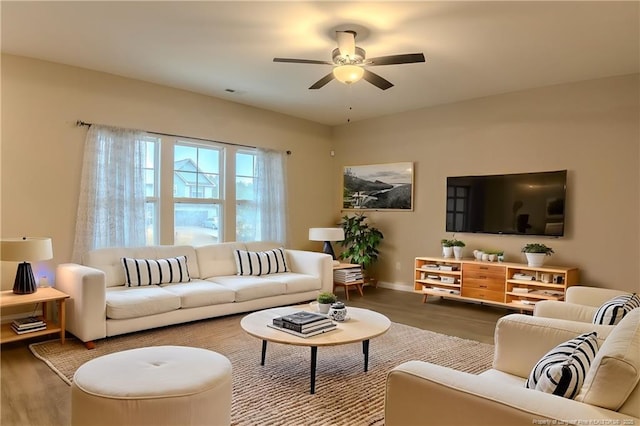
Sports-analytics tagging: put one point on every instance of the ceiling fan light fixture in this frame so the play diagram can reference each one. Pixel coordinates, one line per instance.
(348, 74)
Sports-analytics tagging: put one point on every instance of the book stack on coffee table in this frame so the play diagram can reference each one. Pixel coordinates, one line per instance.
(303, 324)
(28, 325)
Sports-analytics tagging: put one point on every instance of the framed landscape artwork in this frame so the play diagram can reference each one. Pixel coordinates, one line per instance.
(378, 187)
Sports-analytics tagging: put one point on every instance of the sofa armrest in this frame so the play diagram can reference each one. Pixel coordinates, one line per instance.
(521, 340)
(312, 263)
(421, 393)
(86, 306)
(564, 310)
(591, 296)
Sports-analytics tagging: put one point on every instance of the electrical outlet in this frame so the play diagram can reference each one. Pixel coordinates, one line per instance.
(398, 266)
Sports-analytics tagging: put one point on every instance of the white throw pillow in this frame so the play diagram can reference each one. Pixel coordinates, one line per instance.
(138, 272)
(562, 370)
(260, 262)
(613, 310)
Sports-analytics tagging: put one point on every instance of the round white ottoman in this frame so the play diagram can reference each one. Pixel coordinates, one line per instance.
(159, 385)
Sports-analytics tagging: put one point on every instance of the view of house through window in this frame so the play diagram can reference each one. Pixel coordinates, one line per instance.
(197, 203)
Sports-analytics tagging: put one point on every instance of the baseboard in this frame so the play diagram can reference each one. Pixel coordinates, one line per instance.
(395, 286)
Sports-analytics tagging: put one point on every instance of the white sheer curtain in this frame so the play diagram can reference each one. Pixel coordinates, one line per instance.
(111, 204)
(271, 197)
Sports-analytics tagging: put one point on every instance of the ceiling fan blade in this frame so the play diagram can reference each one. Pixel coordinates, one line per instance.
(302, 61)
(346, 43)
(408, 58)
(376, 80)
(324, 80)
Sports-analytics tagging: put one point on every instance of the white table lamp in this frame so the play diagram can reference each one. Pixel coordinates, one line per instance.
(327, 235)
(24, 250)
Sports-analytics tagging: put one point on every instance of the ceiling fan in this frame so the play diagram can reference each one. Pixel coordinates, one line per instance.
(349, 61)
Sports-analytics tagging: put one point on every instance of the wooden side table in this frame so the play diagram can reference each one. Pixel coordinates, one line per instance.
(347, 285)
(42, 295)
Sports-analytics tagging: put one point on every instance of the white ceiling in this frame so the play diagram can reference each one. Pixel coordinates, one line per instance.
(473, 49)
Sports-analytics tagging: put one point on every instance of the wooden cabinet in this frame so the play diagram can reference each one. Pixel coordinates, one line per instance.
(512, 285)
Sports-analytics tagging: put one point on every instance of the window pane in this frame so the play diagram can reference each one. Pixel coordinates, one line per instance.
(151, 223)
(246, 222)
(245, 164)
(196, 172)
(244, 188)
(196, 224)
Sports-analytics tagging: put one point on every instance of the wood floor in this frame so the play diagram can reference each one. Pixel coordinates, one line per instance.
(32, 394)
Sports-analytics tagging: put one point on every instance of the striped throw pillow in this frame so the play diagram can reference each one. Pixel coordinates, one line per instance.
(562, 370)
(261, 262)
(139, 272)
(612, 311)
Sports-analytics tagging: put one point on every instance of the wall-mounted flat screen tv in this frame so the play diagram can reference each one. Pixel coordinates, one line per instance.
(520, 204)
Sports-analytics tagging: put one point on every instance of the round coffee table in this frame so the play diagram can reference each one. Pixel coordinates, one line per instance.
(362, 326)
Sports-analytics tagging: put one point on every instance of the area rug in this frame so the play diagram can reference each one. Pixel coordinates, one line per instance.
(278, 392)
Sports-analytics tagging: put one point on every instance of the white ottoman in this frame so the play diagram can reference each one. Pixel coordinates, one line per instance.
(159, 385)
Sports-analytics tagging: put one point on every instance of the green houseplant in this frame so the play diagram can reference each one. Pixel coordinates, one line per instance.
(457, 248)
(361, 240)
(536, 253)
(325, 299)
(447, 247)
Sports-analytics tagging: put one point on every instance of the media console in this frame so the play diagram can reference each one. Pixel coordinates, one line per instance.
(511, 285)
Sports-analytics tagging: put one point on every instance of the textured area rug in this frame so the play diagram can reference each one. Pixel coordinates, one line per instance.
(278, 392)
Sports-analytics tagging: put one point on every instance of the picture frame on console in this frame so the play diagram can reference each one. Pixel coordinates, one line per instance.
(378, 187)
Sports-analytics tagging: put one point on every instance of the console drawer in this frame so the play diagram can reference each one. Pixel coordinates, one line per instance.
(477, 271)
(478, 293)
(483, 284)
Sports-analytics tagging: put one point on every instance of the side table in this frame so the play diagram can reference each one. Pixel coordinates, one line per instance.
(348, 281)
(42, 295)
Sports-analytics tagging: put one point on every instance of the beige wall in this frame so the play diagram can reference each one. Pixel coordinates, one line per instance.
(591, 128)
(42, 148)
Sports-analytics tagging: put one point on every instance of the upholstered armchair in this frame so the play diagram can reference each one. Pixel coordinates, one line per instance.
(581, 303)
(421, 393)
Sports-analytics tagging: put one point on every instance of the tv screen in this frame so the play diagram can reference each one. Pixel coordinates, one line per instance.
(521, 204)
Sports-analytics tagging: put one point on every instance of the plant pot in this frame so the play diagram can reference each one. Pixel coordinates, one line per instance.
(536, 260)
(457, 252)
(447, 251)
(323, 308)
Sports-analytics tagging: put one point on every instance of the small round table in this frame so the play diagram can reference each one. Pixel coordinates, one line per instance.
(362, 326)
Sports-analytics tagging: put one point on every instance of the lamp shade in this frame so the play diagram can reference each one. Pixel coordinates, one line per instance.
(25, 249)
(348, 74)
(326, 234)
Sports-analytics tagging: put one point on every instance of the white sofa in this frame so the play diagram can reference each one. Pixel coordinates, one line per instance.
(581, 303)
(101, 305)
(421, 393)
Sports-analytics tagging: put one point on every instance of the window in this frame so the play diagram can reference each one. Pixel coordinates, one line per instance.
(151, 158)
(196, 194)
(246, 207)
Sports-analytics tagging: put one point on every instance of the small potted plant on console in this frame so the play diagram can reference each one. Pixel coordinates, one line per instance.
(536, 253)
(447, 247)
(457, 248)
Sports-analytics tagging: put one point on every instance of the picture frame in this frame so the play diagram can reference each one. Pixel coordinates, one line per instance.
(387, 186)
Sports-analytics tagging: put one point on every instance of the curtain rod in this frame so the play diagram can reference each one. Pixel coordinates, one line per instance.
(80, 123)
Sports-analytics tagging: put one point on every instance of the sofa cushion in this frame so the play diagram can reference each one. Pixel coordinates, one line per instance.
(109, 260)
(297, 283)
(250, 287)
(562, 370)
(133, 302)
(260, 262)
(217, 259)
(613, 310)
(616, 369)
(200, 293)
(139, 272)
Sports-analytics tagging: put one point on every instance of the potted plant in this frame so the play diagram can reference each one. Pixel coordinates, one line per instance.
(500, 255)
(325, 300)
(457, 248)
(361, 241)
(536, 253)
(447, 247)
